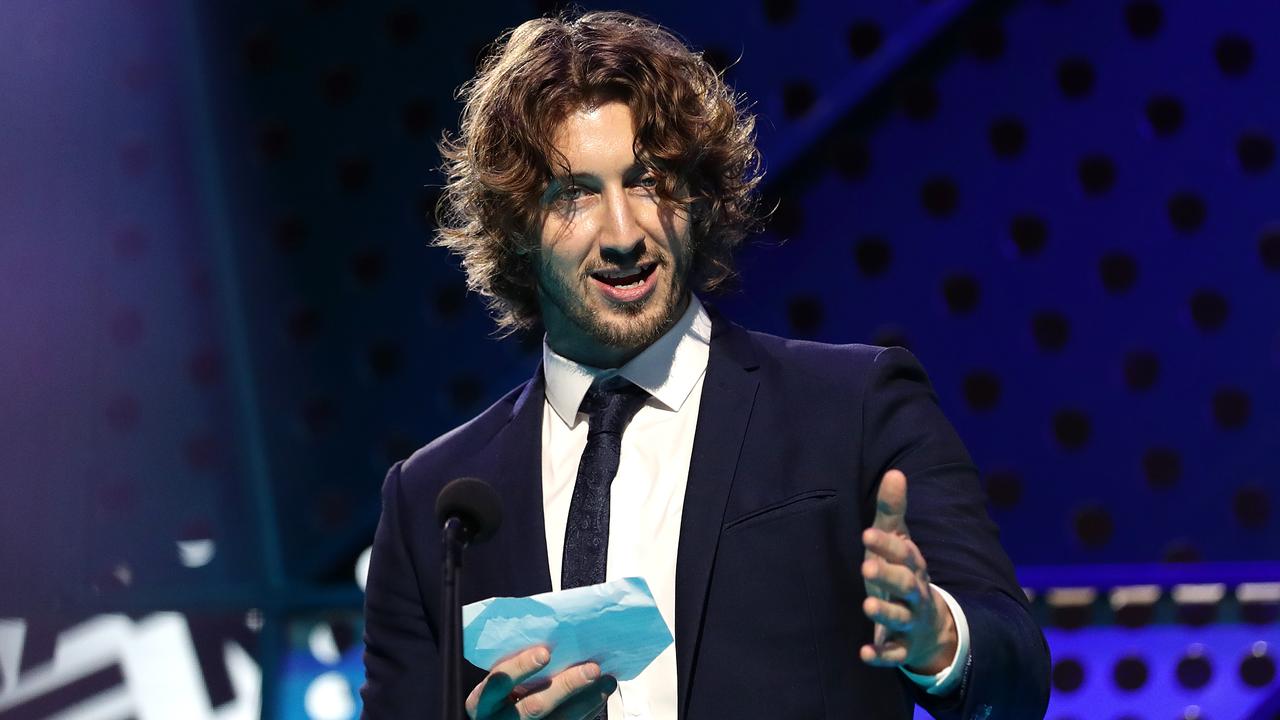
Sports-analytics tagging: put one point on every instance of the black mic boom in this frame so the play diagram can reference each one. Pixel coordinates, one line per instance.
(469, 510)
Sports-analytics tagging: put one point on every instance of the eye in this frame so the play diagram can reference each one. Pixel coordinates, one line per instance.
(647, 183)
(568, 196)
(571, 193)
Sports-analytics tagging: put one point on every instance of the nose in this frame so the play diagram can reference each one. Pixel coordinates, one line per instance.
(622, 238)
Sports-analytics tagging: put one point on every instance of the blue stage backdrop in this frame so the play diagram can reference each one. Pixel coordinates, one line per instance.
(223, 320)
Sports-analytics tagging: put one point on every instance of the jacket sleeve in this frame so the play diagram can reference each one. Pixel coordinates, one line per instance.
(1007, 673)
(401, 659)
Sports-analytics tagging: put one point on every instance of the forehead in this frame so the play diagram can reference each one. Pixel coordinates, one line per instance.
(597, 138)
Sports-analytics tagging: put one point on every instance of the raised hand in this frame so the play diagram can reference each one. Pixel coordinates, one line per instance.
(913, 625)
(575, 693)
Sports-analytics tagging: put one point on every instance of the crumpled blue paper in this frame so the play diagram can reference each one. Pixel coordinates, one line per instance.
(616, 624)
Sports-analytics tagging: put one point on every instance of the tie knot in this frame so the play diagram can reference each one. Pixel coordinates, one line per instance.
(611, 407)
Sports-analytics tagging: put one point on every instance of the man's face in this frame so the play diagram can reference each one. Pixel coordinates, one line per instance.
(613, 263)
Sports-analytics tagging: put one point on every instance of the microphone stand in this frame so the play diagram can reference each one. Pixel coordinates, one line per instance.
(454, 537)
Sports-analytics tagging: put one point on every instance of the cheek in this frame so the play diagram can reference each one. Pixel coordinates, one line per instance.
(563, 245)
(667, 224)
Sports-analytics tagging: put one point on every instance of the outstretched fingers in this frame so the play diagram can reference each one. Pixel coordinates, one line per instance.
(890, 654)
(895, 549)
(891, 503)
(894, 617)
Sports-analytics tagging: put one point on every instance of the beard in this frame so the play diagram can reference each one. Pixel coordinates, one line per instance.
(630, 325)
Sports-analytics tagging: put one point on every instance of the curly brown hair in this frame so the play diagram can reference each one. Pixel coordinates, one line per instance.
(690, 131)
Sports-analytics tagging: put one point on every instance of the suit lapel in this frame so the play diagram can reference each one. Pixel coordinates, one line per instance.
(728, 394)
(524, 540)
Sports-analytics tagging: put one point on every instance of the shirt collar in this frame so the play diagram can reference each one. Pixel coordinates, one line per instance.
(668, 369)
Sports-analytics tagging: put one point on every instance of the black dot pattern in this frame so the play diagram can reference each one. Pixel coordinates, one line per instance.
(940, 196)
(1051, 330)
(962, 293)
(1162, 467)
(1141, 370)
(1094, 527)
(778, 12)
(1130, 673)
(1187, 211)
(1231, 407)
(1165, 114)
(986, 41)
(1119, 272)
(1194, 670)
(852, 160)
(1143, 18)
(1097, 174)
(1209, 310)
(797, 98)
(806, 315)
(1256, 151)
(1072, 428)
(1269, 249)
(1234, 53)
(1076, 78)
(1029, 234)
(918, 99)
(873, 254)
(1258, 670)
(865, 37)
(1004, 489)
(982, 390)
(1068, 675)
(1252, 507)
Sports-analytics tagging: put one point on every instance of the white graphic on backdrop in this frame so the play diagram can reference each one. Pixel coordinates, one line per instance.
(148, 669)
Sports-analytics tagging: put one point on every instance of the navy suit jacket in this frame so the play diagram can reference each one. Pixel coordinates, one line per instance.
(791, 442)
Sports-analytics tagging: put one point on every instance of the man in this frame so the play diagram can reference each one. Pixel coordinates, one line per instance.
(760, 485)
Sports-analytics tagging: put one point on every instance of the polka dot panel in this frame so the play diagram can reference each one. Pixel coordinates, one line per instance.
(1110, 282)
(1165, 672)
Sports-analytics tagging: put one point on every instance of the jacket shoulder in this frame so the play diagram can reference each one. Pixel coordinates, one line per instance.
(824, 363)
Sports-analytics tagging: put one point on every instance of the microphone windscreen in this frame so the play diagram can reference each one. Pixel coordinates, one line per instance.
(475, 503)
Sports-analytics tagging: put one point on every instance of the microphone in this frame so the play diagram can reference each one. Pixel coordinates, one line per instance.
(469, 510)
(474, 503)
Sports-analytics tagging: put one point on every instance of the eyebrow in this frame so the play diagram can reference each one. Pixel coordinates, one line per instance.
(635, 168)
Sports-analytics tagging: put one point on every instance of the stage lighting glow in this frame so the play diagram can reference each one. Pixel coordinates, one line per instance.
(362, 567)
(1071, 597)
(1258, 592)
(1206, 594)
(323, 645)
(1134, 595)
(196, 553)
(329, 698)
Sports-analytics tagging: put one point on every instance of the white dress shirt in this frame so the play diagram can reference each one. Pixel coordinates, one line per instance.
(647, 495)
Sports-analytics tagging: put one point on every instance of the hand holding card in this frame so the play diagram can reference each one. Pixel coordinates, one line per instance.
(616, 624)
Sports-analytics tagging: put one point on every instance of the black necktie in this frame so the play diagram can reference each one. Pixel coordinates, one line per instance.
(586, 535)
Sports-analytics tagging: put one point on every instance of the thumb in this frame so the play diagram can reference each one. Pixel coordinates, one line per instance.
(891, 503)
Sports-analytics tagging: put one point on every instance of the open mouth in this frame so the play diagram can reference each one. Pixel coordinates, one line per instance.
(624, 279)
(626, 284)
